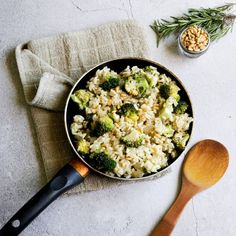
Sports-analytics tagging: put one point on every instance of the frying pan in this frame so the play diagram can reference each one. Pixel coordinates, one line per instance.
(76, 170)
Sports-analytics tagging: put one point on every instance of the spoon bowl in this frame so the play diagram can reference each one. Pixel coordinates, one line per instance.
(204, 166)
(206, 163)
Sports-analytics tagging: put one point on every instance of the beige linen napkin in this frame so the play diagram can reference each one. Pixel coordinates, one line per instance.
(48, 68)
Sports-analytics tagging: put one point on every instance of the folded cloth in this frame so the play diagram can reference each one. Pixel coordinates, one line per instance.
(48, 68)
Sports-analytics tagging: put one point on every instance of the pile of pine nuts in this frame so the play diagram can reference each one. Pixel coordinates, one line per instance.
(195, 39)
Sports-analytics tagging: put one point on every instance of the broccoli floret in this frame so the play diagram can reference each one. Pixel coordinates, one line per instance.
(152, 75)
(167, 109)
(103, 125)
(169, 131)
(111, 82)
(101, 161)
(167, 90)
(81, 97)
(164, 91)
(180, 140)
(152, 80)
(89, 119)
(83, 146)
(137, 85)
(129, 110)
(133, 139)
(181, 107)
(166, 113)
(174, 89)
(148, 68)
(130, 86)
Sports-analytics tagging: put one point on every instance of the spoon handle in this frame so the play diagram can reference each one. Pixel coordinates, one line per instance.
(167, 224)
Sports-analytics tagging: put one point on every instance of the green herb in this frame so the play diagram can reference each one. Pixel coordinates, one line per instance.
(217, 21)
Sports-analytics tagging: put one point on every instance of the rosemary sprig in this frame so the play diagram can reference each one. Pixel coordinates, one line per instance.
(217, 21)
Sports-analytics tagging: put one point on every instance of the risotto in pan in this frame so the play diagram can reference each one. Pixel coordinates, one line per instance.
(130, 124)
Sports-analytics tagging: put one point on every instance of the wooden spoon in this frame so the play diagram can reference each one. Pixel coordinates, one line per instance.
(204, 165)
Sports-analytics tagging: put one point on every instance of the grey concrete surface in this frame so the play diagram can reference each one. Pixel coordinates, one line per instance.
(130, 210)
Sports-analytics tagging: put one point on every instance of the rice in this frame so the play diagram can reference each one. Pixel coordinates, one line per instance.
(161, 129)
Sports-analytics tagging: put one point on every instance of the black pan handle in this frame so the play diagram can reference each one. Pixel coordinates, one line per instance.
(69, 176)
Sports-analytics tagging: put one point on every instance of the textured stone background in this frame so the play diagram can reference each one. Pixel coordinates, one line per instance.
(132, 209)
